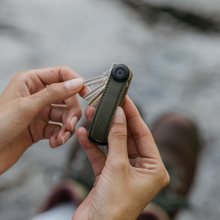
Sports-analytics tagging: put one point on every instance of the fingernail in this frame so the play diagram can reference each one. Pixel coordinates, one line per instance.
(56, 144)
(65, 137)
(119, 116)
(74, 122)
(73, 84)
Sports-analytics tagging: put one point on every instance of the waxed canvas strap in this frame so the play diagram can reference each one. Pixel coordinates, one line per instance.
(113, 96)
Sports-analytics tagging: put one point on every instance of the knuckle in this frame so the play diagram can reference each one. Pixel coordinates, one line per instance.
(65, 67)
(19, 75)
(164, 177)
(118, 133)
(120, 165)
(63, 72)
(123, 165)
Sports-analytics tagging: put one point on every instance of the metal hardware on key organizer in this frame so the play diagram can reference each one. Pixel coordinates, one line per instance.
(94, 96)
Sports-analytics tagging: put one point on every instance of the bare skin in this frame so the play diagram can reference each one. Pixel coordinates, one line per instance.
(126, 181)
(26, 112)
(132, 174)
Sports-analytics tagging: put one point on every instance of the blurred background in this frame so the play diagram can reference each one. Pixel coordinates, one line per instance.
(173, 48)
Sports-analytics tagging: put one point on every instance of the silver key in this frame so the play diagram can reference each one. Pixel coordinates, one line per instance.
(96, 100)
(95, 94)
(93, 81)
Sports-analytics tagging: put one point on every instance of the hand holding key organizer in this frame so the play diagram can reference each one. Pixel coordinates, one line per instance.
(107, 96)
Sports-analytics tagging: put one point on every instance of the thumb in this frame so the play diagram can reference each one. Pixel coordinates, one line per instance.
(54, 93)
(117, 138)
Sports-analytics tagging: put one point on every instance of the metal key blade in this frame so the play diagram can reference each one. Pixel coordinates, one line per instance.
(95, 101)
(93, 81)
(95, 94)
(96, 91)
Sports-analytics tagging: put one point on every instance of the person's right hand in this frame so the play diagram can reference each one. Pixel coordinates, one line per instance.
(132, 174)
(33, 100)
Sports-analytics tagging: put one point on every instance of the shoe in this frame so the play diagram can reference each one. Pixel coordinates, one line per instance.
(67, 191)
(178, 143)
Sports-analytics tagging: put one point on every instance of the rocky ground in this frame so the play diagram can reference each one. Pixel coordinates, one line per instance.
(173, 48)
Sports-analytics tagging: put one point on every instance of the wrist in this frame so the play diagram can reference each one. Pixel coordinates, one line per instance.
(116, 212)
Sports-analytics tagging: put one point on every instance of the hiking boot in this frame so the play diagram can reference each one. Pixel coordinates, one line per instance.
(177, 140)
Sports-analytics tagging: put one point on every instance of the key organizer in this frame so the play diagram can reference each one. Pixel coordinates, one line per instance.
(109, 95)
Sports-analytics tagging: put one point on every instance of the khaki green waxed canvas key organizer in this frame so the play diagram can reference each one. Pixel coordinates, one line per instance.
(107, 97)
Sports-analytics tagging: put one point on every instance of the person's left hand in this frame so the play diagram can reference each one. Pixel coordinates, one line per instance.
(131, 175)
(26, 110)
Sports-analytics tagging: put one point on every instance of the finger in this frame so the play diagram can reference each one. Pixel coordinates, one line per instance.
(57, 74)
(139, 131)
(51, 129)
(117, 138)
(58, 114)
(57, 134)
(74, 112)
(131, 146)
(51, 132)
(52, 75)
(67, 116)
(96, 156)
(52, 94)
(64, 135)
(89, 113)
(53, 141)
(84, 91)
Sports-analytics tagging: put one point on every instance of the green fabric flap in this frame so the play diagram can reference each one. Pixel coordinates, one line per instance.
(113, 96)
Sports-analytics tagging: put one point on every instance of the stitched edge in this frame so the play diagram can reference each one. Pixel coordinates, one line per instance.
(113, 113)
(97, 110)
(114, 109)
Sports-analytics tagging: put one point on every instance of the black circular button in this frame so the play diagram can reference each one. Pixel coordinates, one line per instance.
(120, 73)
